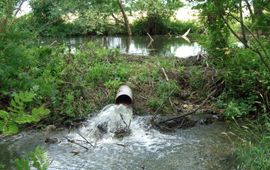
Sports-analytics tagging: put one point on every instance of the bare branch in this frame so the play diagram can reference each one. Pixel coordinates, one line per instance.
(193, 111)
(19, 8)
(246, 44)
(117, 20)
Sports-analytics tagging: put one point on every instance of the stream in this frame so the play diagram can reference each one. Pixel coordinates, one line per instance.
(201, 147)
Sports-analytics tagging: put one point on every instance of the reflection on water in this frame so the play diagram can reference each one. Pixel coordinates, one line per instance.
(142, 45)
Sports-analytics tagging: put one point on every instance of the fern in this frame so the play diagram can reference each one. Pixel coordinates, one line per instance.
(37, 159)
(17, 114)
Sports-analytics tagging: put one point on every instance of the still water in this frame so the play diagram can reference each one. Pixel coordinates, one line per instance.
(139, 45)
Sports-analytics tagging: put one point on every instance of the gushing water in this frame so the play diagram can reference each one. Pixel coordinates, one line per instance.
(98, 145)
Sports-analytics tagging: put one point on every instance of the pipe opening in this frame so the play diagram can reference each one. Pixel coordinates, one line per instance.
(123, 99)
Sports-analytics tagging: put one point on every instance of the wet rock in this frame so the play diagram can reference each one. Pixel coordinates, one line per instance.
(209, 119)
(120, 133)
(51, 140)
(103, 127)
(169, 125)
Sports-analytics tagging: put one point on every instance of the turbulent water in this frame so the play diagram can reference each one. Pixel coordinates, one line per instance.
(95, 145)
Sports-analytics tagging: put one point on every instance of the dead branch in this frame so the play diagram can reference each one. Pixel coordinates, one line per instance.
(193, 111)
(246, 44)
(119, 144)
(127, 126)
(164, 72)
(150, 37)
(19, 8)
(86, 140)
(117, 20)
(158, 109)
(74, 142)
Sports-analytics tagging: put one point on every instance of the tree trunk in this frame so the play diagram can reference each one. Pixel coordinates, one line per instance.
(125, 18)
(242, 23)
(258, 12)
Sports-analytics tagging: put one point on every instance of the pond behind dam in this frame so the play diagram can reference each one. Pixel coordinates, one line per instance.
(168, 46)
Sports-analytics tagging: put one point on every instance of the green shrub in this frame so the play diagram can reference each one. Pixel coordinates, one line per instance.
(17, 113)
(156, 25)
(35, 159)
(154, 103)
(245, 78)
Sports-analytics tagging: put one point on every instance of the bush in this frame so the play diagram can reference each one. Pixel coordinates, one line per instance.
(156, 25)
(245, 79)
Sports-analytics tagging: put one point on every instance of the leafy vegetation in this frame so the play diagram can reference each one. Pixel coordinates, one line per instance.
(245, 71)
(47, 84)
(107, 17)
(156, 25)
(35, 159)
(17, 114)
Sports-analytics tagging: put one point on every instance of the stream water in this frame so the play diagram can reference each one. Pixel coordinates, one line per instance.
(198, 148)
(138, 45)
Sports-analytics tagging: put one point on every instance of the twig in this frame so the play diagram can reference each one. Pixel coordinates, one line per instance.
(150, 36)
(251, 33)
(19, 8)
(184, 36)
(53, 43)
(191, 112)
(74, 142)
(117, 20)
(246, 45)
(127, 126)
(155, 113)
(149, 44)
(164, 72)
(85, 139)
(119, 144)
(173, 106)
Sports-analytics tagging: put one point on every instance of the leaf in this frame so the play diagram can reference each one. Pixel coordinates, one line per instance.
(4, 115)
(40, 112)
(22, 164)
(1, 126)
(22, 119)
(39, 159)
(10, 129)
(27, 96)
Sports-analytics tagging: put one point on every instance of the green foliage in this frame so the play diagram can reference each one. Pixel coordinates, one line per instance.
(236, 108)
(17, 114)
(154, 103)
(196, 80)
(155, 24)
(37, 159)
(254, 157)
(51, 18)
(253, 153)
(212, 14)
(245, 78)
(160, 8)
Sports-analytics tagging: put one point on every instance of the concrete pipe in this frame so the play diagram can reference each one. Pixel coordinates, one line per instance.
(124, 95)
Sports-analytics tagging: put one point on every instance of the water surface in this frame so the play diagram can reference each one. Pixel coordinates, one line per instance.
(198, 148)
(140, 45)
